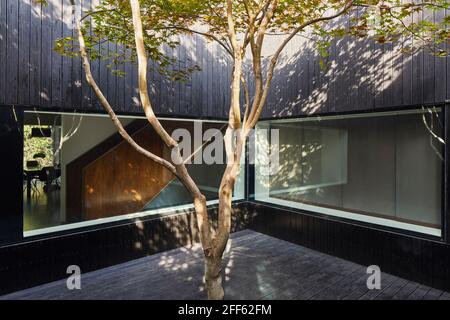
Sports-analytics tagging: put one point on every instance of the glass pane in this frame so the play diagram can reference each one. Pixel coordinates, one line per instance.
(79, 171)
(386, 165)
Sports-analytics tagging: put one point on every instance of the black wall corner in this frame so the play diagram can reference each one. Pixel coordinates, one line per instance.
(11, 173)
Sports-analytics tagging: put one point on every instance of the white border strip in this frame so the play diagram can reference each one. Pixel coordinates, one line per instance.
(137, 215)
(353, 216)
(349, 116)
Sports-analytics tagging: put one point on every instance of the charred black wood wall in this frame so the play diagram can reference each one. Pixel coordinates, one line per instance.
(39, 261)
(410, 257)
(11, 174)
(359, 75)
(33, 74)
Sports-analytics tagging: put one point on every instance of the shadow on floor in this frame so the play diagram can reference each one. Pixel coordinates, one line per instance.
(256, 266)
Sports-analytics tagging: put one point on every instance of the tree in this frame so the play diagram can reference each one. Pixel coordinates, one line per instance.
(240, 28)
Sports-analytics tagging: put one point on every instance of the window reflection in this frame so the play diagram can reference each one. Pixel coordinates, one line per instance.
(78, 170)
(368, 167)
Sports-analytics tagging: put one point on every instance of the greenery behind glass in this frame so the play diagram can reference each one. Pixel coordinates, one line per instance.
(34, 145)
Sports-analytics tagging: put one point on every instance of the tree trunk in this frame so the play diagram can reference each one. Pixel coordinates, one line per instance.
(213, 278)
(213, 264)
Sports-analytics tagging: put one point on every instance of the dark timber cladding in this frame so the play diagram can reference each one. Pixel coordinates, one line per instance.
(32, 74)
(361, 75)
(11, 140)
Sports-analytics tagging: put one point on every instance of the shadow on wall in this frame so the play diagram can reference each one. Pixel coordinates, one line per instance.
(359, 75)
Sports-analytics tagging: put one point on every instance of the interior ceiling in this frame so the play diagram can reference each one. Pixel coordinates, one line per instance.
(44, 119)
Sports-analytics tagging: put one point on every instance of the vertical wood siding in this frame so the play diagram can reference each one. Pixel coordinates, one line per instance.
(32, 74)
(360, 75)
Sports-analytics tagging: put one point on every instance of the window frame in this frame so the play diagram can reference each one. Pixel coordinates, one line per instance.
(77, 227)
(16, 237)
(444, 236)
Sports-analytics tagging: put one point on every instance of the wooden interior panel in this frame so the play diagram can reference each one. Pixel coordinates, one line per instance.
(113, 179)
(74, 170)
(122, 180)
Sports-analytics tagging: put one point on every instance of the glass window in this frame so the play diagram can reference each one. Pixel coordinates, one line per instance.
(383, 168)
(78, 171)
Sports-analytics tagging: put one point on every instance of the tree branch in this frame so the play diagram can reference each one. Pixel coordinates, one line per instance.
(256, 53)
(142, 74)
(247, 101)
(180, 167)
(208, 35)
(235, 112)
(104, 102)
(274, 59)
